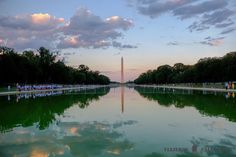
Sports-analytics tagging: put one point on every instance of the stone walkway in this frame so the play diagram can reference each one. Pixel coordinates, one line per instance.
(189, 88)
(82, 88)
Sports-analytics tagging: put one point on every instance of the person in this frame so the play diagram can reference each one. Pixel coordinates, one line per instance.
(18, 87)
(226, 85)
(9, 88)
(232, 85)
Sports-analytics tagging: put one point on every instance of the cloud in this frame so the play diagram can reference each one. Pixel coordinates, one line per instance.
(154, 8)
(192, 10)
(228, 31)
(217, 19)
(121, 46)
(213, 41)
(69, 53)
(83, 30)
(90, 31)
(206, 13)
(29, 31)
(175, 43)
(33, 22)
(223, 25)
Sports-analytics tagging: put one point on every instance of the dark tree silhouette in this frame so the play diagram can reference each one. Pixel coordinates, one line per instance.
(42, 67)
(205, 70)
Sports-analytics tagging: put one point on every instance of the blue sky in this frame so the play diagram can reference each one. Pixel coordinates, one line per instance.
(148, 33)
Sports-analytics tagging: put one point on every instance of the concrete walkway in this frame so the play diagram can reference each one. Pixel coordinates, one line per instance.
(80, 88)
(189, 88)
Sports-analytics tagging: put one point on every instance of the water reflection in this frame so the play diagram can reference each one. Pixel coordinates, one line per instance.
(182, 123)
(210, 104)
(43, 110)
(122, 98)
(67, 139)
(230, 95)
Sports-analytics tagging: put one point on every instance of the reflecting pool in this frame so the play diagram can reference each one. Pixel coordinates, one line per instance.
(121, 121)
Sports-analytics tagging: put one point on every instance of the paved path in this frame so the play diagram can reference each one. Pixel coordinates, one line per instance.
(50, 90)
(95, 87)
(189, 88)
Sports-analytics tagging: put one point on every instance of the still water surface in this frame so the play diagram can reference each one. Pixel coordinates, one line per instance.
(122, 121)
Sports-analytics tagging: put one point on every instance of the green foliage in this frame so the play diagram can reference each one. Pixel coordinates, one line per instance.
(43, 110)
(31, 68)
(206, 104)
(205, 70)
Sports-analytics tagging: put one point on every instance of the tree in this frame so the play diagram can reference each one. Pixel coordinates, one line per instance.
(30, 67)
(83, 68)
(163, 74)
(216, 69)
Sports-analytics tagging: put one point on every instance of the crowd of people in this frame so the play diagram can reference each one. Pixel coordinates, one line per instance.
(37, 87)
(229, 85)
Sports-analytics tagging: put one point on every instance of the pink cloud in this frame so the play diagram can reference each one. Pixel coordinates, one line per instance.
(84, 29)
(213, 41)
(217, 42)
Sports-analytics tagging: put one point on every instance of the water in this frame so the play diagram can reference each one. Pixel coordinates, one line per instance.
(136, 122)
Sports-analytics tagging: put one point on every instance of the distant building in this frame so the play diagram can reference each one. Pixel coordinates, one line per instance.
(122, 71)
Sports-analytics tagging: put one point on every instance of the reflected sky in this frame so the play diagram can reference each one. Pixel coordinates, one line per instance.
(121, 122)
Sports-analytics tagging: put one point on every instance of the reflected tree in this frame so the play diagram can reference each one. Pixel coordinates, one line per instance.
(42, 110)
(210, 105)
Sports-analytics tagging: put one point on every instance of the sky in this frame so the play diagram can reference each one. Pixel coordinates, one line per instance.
(147, 33)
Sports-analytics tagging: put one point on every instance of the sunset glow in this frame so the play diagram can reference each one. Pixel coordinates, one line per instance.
(146, 33)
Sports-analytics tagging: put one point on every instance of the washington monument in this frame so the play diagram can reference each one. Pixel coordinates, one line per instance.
(122, 85)
(122, 71)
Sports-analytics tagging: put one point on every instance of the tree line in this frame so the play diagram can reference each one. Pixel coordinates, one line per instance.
(43, 67)
(216, 69)
(207, 104)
